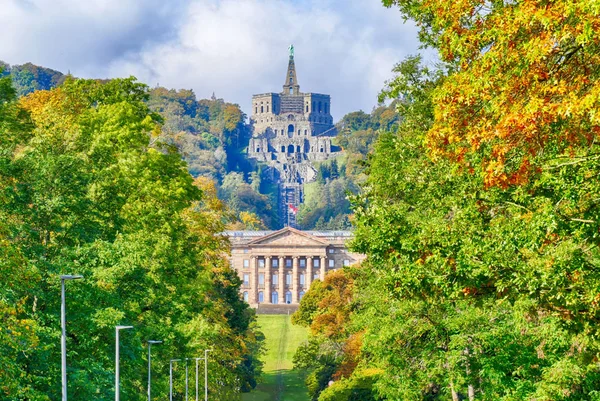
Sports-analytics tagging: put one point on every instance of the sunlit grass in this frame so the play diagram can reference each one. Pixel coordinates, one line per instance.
(279, 381)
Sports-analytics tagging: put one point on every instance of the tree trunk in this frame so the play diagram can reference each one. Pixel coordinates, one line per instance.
(454, 393)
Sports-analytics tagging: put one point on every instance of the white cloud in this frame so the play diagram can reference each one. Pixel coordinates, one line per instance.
(232, 47)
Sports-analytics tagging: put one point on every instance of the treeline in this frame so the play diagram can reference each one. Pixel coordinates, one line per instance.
(89, 185)
(479, 217)
(326, 205)
(27, 78)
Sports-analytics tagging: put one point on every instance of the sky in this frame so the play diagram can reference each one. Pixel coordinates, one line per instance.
(234, 48)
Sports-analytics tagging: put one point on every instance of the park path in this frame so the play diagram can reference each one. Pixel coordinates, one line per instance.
(281, 359)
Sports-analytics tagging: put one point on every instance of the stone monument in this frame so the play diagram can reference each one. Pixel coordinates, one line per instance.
(291, 130)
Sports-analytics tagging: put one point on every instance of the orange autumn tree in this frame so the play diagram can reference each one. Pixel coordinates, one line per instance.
(334, 347)
(523, 80)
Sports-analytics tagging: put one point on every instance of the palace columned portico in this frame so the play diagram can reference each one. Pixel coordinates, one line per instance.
(278, 267)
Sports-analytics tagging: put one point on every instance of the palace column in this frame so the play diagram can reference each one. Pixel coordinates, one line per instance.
(253, 280)
(323, 268)
(267, 298)
(309, 272)
(281, 289)
(295, 280)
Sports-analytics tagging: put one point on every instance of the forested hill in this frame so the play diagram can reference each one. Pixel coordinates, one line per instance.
(28, 77)
(212, 136)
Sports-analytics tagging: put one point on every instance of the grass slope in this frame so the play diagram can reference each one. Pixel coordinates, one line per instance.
(279, 382)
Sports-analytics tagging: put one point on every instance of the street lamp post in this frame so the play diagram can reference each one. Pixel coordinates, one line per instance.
(117, 372)
(63, 336)
(150, 342)
(197, 359)
(206, 351)
(186, 379)
(171, 378)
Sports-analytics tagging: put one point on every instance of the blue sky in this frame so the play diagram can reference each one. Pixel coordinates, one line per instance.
(345, 48)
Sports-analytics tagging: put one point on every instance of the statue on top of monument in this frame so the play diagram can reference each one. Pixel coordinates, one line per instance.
(291, 49)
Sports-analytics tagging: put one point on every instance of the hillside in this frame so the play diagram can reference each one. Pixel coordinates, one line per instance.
(212, 136)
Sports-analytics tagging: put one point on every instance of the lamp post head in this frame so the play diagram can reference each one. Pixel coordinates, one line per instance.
(154, 341)
(123, 327)
(71, 276)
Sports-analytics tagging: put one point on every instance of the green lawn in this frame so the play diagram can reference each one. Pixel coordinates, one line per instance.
(279, 382)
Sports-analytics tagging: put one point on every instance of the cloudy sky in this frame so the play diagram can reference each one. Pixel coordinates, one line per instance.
(345, 48)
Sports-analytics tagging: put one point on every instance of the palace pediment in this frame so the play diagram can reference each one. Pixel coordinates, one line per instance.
(288, 237)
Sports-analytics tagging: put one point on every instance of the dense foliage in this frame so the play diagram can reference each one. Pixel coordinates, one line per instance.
(480, 215)
(524, 80)
(88, 187)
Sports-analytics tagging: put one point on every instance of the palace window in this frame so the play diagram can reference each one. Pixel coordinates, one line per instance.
(246, 263)
(316, 262)
(331, 250)
(274, 297)
(302, 262)
(302, 279)
(275, 280)
(262, 109)
(331, 263)
(300, 295)
(288, 263)
(274, 262)
(346, 262)
(288, 297)
(283, 149)
(319, 106)
(261, 263)
(245, 296)
(246, 279)
(316, 276)
(261, 279)
(261, 297)
(267, 108)
(288, 279)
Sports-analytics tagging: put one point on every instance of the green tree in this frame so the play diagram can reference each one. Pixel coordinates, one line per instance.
(91, 189)
(477, 292)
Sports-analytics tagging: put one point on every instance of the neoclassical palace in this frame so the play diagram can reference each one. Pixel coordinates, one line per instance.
(277, 267)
